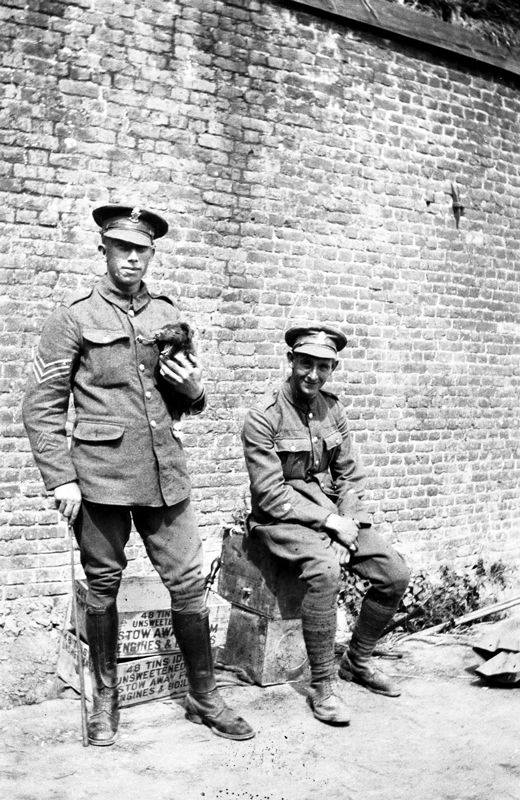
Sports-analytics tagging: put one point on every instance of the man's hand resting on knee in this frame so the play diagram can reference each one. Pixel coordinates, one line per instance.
(343, 530)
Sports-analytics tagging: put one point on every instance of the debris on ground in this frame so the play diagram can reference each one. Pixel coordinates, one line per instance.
(500, 649)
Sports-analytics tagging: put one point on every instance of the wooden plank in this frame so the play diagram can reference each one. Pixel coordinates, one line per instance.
(411, 25)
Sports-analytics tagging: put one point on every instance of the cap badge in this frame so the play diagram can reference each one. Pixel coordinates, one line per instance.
(134, 216)
(321, 337)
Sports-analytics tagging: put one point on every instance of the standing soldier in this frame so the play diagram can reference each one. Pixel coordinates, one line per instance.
(125, 463)
(306, 493)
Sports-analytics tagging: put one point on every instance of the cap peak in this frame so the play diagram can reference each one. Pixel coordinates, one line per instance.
(130, 224)
(315, 339)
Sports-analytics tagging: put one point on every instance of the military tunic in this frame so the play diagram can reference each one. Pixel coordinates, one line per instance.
(301, 462)
(302, 468)
(125, 449)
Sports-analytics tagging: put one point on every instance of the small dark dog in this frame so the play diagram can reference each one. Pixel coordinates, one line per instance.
(172, 339)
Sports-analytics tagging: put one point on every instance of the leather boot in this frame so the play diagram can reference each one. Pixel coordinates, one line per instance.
(204, 704)
(102, 630)
(327, 706)
(356, 663)
(319, 633)
(364, 673)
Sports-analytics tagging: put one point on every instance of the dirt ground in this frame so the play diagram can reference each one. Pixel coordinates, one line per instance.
(448, 737)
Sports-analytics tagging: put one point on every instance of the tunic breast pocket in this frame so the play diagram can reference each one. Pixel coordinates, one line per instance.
(107, 356)
(294, 452)
(332, 439)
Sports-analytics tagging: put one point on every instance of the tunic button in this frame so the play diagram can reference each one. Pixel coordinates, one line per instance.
(314, 438)
(153, 423)
(141, 367)
(311, 415)
(131, 312)
(148, 395)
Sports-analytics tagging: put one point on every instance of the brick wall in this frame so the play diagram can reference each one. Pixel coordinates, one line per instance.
(306, 169)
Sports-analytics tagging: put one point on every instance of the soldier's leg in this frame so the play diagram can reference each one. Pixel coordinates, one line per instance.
(102, 533)
(171, 538)
(319, 569)
(378, 562)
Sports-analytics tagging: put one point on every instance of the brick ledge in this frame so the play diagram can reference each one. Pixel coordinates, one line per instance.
(408, 24)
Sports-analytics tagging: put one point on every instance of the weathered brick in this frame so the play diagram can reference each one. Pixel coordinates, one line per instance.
(306, 173)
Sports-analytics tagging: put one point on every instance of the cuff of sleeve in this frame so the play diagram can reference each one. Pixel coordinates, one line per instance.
(198, 404)
(53, 482)
(323, 519)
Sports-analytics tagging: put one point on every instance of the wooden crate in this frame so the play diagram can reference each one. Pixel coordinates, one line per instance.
(269, 650)
(139, 680)
(252, 578)
(145, 626)
(150, 665)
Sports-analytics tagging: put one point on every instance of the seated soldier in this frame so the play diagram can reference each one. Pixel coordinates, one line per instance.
(306, 493)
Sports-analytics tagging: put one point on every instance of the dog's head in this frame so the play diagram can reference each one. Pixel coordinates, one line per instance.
(173, 339)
